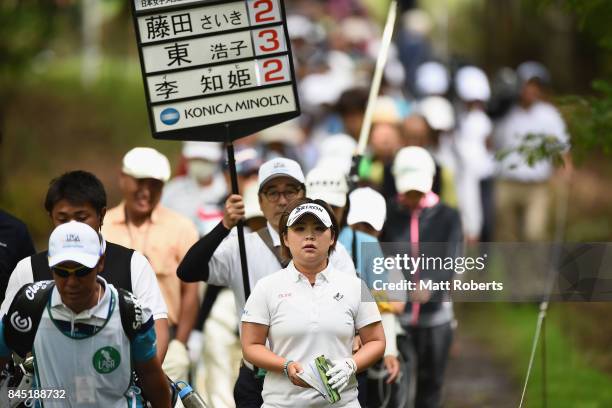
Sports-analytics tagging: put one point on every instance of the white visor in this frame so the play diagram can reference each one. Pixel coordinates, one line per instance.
(309, 208)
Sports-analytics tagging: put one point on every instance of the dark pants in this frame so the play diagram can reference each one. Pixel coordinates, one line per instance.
(425, 351)
(247, 391)
(379, 392)
(362, 388)
(487, 194)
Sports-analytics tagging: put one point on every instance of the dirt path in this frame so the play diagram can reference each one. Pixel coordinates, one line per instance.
(475, 380)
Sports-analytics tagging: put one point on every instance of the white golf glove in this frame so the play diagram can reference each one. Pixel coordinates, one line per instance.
(341, 373)
(194, 345)
(176, 363)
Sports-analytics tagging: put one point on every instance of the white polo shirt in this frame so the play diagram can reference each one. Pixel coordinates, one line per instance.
(541, 118)
(144, 285)
(307, 321)
(226, 270)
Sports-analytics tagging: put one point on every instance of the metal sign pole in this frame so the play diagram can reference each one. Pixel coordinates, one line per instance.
(241, 246)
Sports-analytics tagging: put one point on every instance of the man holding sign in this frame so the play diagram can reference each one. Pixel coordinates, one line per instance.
(216, 260)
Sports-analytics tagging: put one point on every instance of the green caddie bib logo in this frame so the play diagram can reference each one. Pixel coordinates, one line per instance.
(106, 360)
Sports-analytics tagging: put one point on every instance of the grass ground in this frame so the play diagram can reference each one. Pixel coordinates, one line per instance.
(573, 378)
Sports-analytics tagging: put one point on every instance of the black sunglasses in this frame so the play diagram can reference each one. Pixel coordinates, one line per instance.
(79, 271)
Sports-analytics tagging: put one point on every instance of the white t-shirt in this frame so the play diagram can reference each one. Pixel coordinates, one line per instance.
(226, 270)
(475, 162)
(307, 321)
(144, 285)
(540, 119)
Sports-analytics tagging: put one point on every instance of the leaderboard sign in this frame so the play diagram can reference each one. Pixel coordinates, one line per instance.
(207, 64)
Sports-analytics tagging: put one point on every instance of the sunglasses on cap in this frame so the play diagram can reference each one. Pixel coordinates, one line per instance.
(80, 271)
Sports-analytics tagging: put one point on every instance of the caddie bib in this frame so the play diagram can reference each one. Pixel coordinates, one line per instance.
(94, 368)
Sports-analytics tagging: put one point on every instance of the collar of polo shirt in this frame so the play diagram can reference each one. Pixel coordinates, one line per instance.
(309, 208)
(297, 275)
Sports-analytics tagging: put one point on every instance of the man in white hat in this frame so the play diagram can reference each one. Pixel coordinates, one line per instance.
(522, 191)
(198, 194)
(216, 260)
(78, 304)
(163, 236)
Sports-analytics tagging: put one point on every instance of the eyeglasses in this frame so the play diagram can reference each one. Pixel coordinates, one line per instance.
(274, 195)
(79, 271)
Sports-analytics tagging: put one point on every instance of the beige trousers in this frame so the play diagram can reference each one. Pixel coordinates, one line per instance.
(522, 211)
(221, 354)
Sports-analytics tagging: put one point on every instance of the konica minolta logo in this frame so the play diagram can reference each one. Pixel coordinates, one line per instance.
(169, 116)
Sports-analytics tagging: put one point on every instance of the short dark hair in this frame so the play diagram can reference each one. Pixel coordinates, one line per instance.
(282, 226)
(352, 100)
(76, 187)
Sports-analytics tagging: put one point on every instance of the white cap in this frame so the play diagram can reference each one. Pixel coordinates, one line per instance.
(327, 183)
(288, 133)
(202, 150)
(337, 150)
(532, 70)
(438, 112)
(299, 26)
(431, 78)
(280, 167)
(367, 205)
(146, 162)
(336, 145)
(309, 208)
(251, 202)
(75, 241)
(324, 88)
(413, 169)
(472, 84)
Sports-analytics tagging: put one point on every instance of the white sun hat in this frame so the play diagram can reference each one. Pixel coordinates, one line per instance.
(327, 183)
(413, 169)
(146, 162)
(367, 205)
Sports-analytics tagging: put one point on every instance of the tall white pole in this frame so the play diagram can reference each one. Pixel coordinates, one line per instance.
(376, 80)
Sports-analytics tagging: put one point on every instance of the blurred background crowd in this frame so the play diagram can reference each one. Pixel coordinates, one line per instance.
(499, 92)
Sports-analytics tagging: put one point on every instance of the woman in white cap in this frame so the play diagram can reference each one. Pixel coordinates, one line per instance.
(328, 183)
(309, 309)
(416, 218)
(475, 163)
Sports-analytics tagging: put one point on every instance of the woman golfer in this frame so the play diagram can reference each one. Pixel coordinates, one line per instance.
(310, 309)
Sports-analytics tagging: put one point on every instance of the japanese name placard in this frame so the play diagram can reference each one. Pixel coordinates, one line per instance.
(215, 70)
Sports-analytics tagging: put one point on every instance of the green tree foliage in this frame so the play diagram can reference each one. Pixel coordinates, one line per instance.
(25, 28)
(590, 117)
